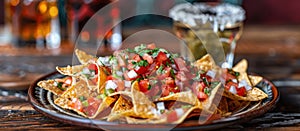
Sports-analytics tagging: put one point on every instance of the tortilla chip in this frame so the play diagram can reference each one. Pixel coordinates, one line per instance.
(83, 57)
(215, 96)
(242, 66)
(255, 79)
(50, 86)
(223, 106)
(101, 78)
(255, 94)
(121, 105)
(131, 120)
(70, 70)
(236, 105)
(141, 104)
(107, 101)
(205, 63)
(64, 103)
(187, 97)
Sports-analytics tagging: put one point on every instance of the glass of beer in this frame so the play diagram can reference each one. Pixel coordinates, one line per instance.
(33, 23)
(92, 20)
(194, 20)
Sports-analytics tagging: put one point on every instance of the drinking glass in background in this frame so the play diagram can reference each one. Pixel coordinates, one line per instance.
(33, 23)
(87, 26)
(192, 20)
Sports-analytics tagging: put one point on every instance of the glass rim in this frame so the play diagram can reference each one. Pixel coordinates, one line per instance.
(223, 14)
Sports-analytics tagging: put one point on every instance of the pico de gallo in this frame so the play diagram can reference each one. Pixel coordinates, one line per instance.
(159, 73)
(233, 85)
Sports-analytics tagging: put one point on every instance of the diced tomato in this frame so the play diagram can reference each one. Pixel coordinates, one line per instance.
(170, 82)
(151, 70)
(180, 64)
(93, 67)
(202, 96)
(92, 108)
(68, 81)
(121, 61)
(143, 85)
(153, 91)
(227, 76)
(93, 102)
(137, 57)
(173, 89)
(141, 70)
(165, 91)
(151, 46)
(148, 58)
(198, 87)
(181, 76)
(95, 80)
(76, 104)
(166, 73)
(120, 84)
(161, 57)
(109, 78)
(130, 66)
(172, 116)
(229, 84)
(241, 91)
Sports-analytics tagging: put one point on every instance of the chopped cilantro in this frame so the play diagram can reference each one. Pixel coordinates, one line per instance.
(205, 81)
(186, 106)
(160, 70)
(101, 96)
(207, 91)
(172, 73)
(142, 52)
(81, 98)
(155, 52)
(85, 103)
(130, 50)
(149, 87)
(140, 63)
(108, 91)
(197, 77)
(59, 86)
(139, 48)
(214, 84)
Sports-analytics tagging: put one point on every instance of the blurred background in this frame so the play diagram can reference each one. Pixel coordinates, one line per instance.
(52, 27)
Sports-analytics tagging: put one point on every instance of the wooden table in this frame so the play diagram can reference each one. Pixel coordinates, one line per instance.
(272, 51)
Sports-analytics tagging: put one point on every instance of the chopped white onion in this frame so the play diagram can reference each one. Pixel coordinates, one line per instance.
(111, 85)
(179, 112)
(55, 83)
(225, 65)
(168, 55)
(103, 61)
(85, 71)
(248, 88)
(243, 83)
(119, 73)
(232, 90)
(160, 106)
(127, 84)
(132, 74)
(234, 80)
(211, 73)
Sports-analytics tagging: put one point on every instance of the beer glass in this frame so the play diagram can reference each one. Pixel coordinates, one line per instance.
(192, 20)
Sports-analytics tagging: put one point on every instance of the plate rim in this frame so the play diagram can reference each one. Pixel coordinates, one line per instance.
(85, 122)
